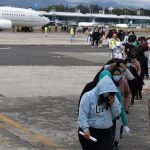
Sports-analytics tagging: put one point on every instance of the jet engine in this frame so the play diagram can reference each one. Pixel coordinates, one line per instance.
(5, 24)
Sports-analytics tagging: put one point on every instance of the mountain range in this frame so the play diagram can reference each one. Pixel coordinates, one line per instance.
(46, 3)
(31, 3)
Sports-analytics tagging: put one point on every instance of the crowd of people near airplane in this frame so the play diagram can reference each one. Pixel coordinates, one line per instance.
(105, 102)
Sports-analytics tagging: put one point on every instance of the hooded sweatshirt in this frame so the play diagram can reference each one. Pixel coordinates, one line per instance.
(118, 95)
(92, 115)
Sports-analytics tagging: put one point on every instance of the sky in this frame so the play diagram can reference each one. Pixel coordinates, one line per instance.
(43, 3)
(134, 3)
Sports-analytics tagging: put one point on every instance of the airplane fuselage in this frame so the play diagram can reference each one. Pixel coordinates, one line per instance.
(22, 17)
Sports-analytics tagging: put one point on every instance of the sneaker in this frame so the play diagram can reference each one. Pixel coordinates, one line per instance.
(100, 45)
(116, 146)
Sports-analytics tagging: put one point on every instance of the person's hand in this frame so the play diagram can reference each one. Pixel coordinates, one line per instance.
(111, 99)
(127, 110)
(87, 135)
(127, 130)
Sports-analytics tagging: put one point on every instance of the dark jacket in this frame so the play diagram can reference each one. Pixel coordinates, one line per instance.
(144, 66)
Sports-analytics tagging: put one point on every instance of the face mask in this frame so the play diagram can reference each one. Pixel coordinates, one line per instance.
(122, 70)
(128, 65)
(117, 78)
(133, 61)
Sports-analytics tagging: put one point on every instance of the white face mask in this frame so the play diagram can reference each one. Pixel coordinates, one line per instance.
(122, 70)
(128, 65)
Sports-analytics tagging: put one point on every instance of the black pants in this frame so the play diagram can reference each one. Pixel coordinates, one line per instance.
(104, 140)
(140, 87)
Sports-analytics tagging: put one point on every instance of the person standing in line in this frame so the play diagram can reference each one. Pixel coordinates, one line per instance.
(126, 74)
(135, 63)
(144, 71)
(133, 84)
(113, 41)
(122, 84)
(121, 119)
(96, 111)
(126, 37)
(117, 51)
(95, 38)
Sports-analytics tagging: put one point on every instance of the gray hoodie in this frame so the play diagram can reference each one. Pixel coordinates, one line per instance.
(92, 115)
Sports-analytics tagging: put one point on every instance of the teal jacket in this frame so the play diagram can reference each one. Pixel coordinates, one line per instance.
(118, 95)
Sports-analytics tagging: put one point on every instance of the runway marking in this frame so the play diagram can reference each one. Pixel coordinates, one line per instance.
(7, 123)
(5, 48)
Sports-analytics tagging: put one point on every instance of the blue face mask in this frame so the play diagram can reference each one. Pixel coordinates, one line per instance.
(117, 78)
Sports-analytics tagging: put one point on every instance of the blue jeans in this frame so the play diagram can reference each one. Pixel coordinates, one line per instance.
(72, 38)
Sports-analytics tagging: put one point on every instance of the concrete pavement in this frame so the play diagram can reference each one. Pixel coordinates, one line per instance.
(40, 39)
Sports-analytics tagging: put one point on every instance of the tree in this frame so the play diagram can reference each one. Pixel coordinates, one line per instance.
(83, 9)
(147, 12)
(95, 8)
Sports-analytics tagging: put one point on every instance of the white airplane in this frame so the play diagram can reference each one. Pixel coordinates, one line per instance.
(123, 25)
(20, 17)
(88, 24)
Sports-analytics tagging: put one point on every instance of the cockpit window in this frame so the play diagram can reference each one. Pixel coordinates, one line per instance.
(41, 15)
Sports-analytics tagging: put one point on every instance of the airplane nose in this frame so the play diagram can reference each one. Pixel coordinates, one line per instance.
(47, 20)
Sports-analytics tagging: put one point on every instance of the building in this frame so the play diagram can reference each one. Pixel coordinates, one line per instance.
(101, 18)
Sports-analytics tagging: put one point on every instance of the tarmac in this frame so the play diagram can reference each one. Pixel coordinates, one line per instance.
(37, 38)
(39, 103)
